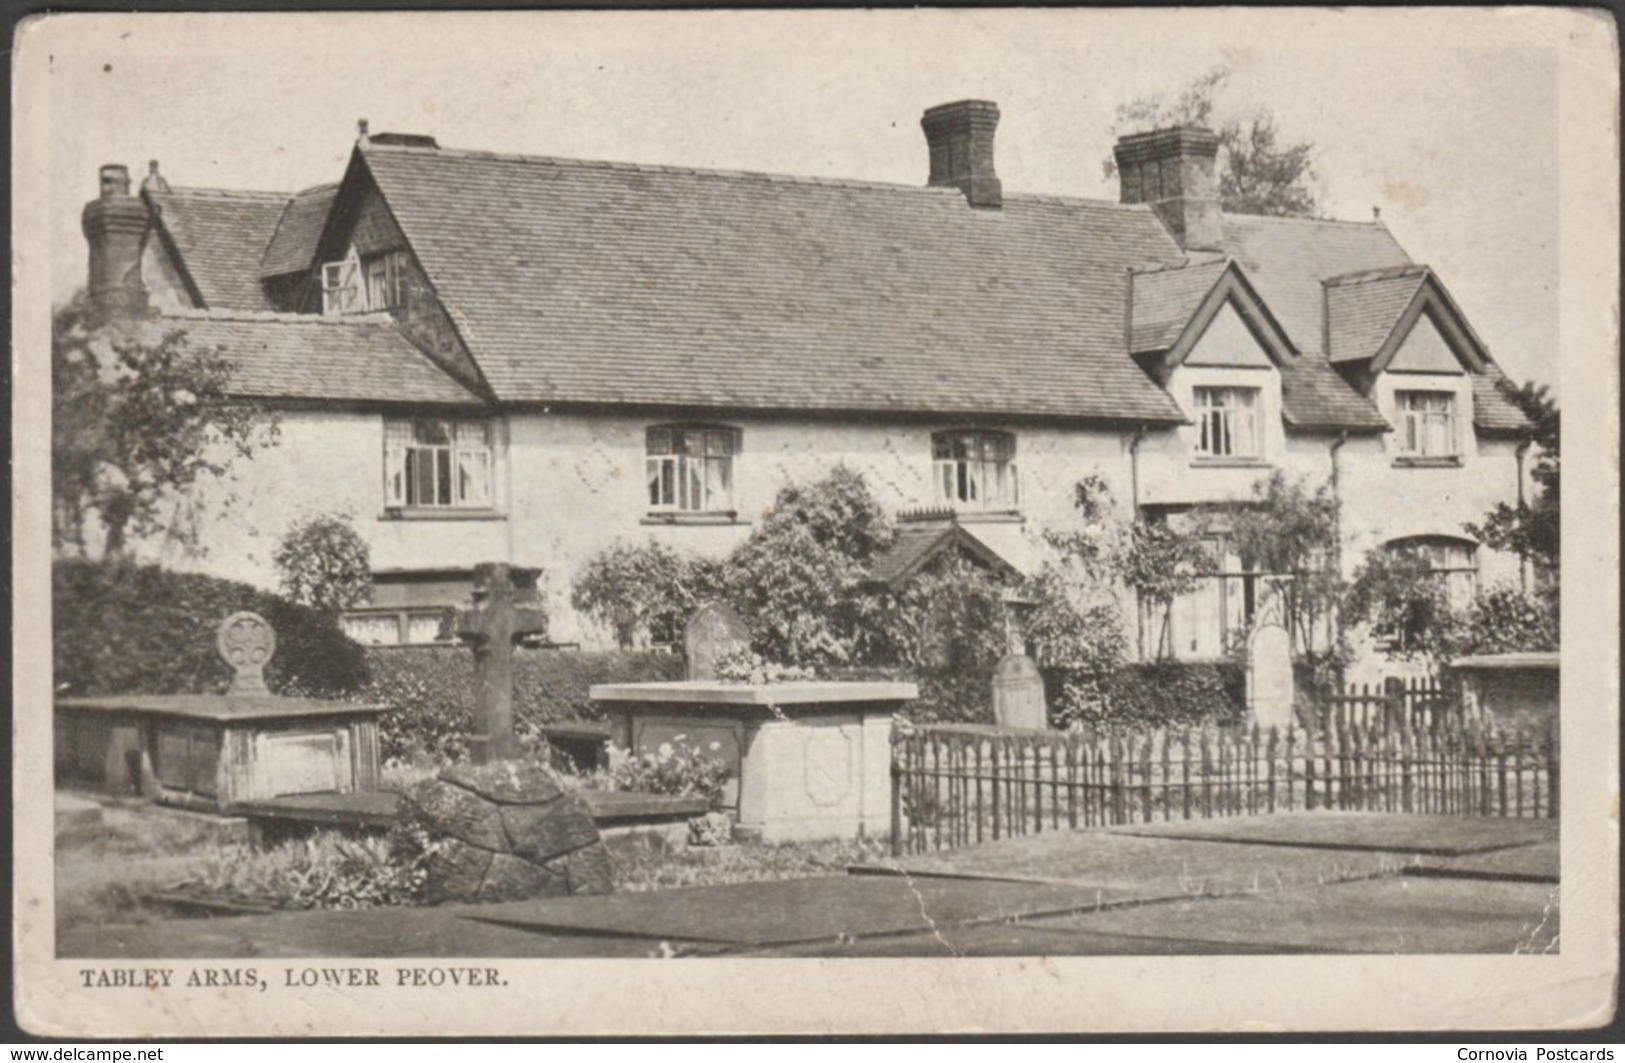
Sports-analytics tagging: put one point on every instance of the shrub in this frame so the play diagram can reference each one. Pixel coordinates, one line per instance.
(1150, 694)
(120, 627)
(327, 869)
(644, 592)
(1505, 619)
(323, 563)
(431, 692)
(678, 767)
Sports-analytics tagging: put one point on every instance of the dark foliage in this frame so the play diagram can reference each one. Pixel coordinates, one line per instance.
(119, 627)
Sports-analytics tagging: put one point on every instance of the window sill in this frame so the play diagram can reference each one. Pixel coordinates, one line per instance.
(1229, 463)
(428, 513)
(1453, 462)
(717, 519)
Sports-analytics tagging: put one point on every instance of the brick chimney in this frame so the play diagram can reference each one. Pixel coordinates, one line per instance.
(115, 226)
(960, 136)
(1172, 171)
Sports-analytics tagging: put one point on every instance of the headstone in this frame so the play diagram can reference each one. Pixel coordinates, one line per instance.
(504, 611)
(246, 642)
(713, 632)
(1018, 694)
(1270, 691)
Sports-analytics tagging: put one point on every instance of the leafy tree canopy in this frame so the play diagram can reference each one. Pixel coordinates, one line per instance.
(135, 426)
(1260, 171)
(1533, 528)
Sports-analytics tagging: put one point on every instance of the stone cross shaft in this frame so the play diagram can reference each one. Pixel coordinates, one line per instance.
(502, 614)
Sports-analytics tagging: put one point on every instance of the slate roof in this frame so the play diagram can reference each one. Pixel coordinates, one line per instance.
(1165, 300)
(1287, 259)
(221, 236)
(293, 246)
(362, 359)
(1362, 309)
(918, 543)
(1492, 410)
(606, 283)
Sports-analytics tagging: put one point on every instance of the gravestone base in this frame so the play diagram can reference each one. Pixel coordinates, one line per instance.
(506, 831)
(806, 760)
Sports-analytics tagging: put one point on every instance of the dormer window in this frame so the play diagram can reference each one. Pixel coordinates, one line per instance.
(1227, 423)
(976, 470)
(341, 286)
(356, 285)
(1427, 424)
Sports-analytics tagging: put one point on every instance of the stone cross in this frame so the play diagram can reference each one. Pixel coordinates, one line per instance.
(1018, 694)
(503, 612)
(246, 642)
(1270, 687)
(712, 633)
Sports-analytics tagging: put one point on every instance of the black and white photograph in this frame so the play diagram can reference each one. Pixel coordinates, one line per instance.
(815, 521)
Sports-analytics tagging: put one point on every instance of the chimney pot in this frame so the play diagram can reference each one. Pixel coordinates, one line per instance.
(960, 138)
(1171, 170)
(115, 180)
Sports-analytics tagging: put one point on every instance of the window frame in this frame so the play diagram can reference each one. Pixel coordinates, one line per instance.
(1411, 437)
(343, 275)
(448, 465)
(1217, 420)
(684, 485)
(954, 476)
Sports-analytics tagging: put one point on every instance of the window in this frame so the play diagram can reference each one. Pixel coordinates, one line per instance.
(1453, 560)
(1427, 424)
(975, 470)
(341, 286)
(398, 627)
(439, 464)
(357, 286)
(384, 280)
(1227, 423)
(691, 469)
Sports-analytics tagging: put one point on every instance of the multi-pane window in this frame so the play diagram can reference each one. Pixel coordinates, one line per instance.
(354, 285)
(691, 469)
(1227, 423)
(1455, 561)
(1427, 424)
(975, 469)
(435, 463)
(342, 291)
(383, 274)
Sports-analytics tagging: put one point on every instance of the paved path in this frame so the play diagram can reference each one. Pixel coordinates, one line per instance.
(1322, 882)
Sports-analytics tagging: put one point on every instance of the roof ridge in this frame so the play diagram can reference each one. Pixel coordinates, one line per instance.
(285, 317)
(1141, 271)
(1368, 276)
(327, 186)
(1300, 220)
(223, 193)
(644, 167)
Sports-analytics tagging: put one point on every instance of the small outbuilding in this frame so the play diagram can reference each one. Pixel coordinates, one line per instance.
(1510, 687)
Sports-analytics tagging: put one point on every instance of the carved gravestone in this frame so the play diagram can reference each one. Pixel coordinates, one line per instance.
(1018, 694)
(1270, 687)
(506, 831)
(246, 642)
(713, 632)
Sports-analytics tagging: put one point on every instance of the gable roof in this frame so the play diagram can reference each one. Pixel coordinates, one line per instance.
(293, 246)
(918, 544)
(1363, 308)
(1287, 259)
(1493, 412)
(362, 359)
(605, 283)
(1180, 302)
(219, 237)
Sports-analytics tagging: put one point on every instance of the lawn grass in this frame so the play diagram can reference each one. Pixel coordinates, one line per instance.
(112, 872)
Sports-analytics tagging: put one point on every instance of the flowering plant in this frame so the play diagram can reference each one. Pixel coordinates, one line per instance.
(744, 666)
(679, 766)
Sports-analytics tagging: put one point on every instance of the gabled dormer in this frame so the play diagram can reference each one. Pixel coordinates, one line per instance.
(1397, 336)
(1203, 333)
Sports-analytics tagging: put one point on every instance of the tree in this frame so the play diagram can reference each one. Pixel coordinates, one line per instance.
(1258, 173)
(644, 591)
(1533, 529)
(324, 563)
(136, 423)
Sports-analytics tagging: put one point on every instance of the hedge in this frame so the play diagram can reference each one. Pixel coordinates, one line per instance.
(120, 627)
(431, 691)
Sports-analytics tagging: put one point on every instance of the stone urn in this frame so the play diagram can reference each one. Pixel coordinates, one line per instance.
(506, 831)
